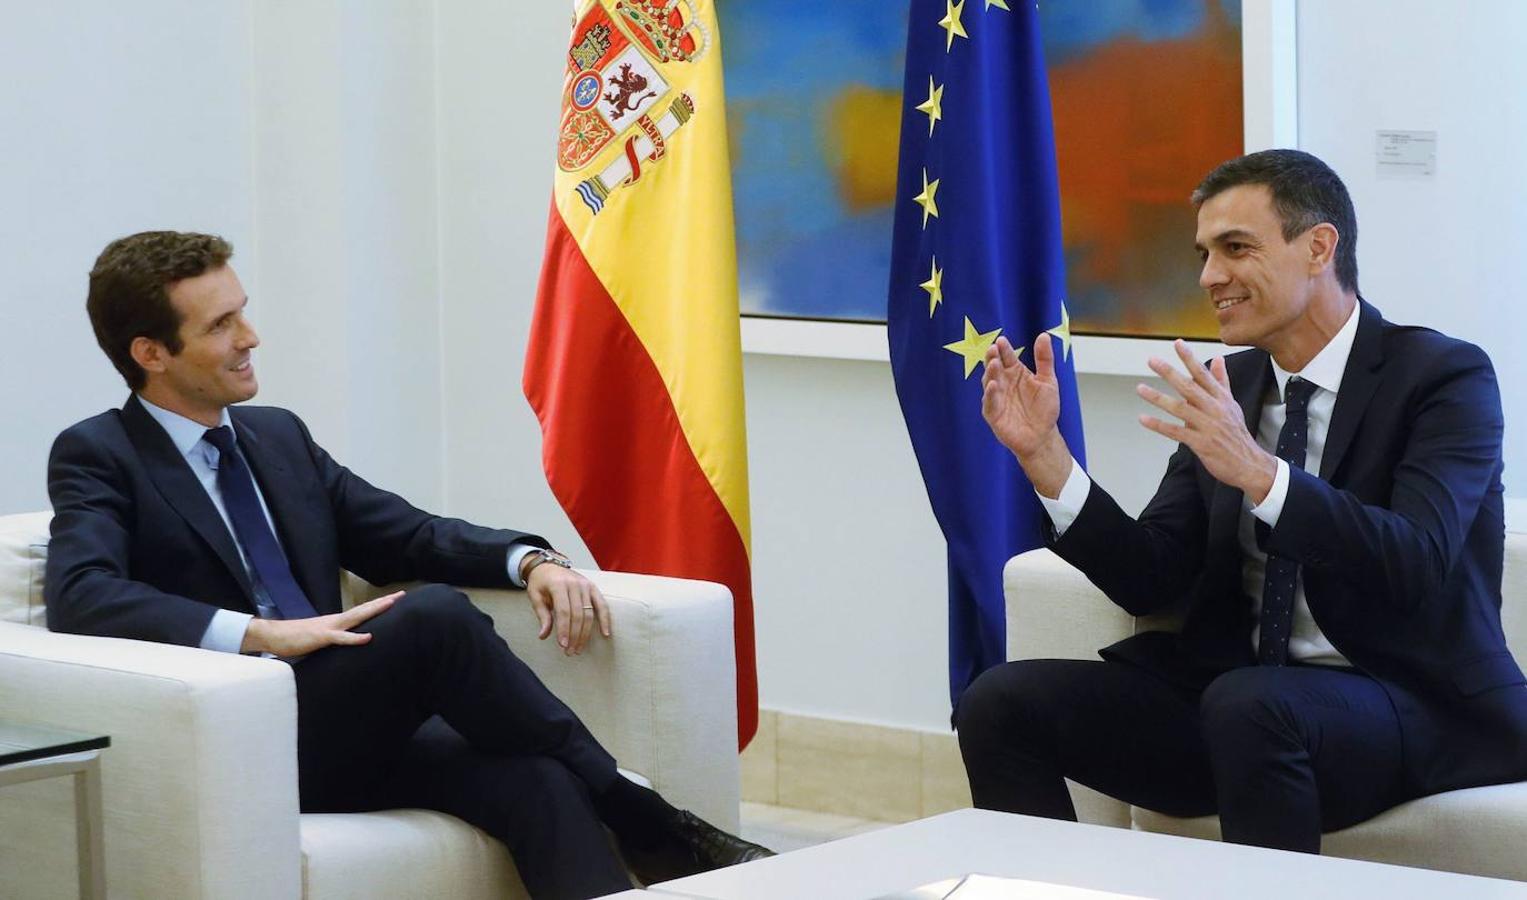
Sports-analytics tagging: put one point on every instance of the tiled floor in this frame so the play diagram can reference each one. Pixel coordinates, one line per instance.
(782, 829)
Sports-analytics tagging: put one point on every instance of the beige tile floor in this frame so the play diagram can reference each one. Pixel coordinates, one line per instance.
(783, 829)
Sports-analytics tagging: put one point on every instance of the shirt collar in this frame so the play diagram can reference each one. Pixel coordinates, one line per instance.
(185, 433)
(1328, 366)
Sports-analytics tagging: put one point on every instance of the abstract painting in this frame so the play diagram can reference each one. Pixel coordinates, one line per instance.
(1146, 97)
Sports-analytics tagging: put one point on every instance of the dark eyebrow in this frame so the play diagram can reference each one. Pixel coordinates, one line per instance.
(1223, 237)
(227, 315)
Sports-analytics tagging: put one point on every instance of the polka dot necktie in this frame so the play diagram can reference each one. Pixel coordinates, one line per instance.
(1283, 574)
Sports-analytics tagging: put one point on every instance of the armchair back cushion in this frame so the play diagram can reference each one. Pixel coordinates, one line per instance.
(23, 556)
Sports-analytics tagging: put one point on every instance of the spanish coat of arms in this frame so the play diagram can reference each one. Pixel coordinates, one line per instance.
(615, 93)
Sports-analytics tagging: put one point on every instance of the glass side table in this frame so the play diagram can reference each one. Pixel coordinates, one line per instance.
(32, 752)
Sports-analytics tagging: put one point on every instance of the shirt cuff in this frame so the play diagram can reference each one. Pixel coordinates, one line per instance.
(517, 554)
(225, 633)
(1064, 509)
(1271, 506)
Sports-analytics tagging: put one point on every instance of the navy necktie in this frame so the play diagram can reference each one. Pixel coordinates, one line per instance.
(1283, 574)
(267, 563)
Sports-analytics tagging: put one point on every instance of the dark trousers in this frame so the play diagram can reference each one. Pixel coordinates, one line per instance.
(436, 712)
(1282, 754)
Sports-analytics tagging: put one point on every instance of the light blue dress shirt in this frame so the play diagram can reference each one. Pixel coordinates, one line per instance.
(225, 633)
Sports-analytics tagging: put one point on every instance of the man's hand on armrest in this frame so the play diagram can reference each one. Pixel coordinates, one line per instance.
(299, 637)
(570, 603)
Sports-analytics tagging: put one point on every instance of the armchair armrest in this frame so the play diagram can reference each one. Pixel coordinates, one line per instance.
(202, 767)
(1054, 612)
(660, 694)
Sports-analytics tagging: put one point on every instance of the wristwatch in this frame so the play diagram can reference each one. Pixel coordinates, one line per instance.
(541, 555)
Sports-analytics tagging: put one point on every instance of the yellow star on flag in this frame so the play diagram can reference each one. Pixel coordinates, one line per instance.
(973, 348)
(933, 106)
(1000, 4)
(935, 288)
(927, 198)
(1063, 331)
(951, 23)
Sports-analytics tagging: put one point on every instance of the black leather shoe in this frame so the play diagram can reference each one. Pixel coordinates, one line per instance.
(692, 846)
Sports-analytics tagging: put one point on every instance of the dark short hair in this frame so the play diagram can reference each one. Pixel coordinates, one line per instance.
(129, 291)
(1305, 193)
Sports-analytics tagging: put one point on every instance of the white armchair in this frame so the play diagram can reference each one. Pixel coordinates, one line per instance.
(1054, 612)
(200, 783)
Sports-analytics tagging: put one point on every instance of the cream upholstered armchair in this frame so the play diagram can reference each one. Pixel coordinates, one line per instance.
(200, 782)
(1053, 611)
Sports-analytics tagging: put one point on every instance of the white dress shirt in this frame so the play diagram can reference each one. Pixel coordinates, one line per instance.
(225, 632)
(1306, 643)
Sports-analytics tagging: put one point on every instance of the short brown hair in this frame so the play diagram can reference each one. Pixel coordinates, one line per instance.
(129, 291)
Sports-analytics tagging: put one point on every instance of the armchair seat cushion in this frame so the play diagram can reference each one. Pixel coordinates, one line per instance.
(403, 853)
(1474, 830)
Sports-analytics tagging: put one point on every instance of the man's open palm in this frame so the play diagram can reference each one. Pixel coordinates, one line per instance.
(1022, 407)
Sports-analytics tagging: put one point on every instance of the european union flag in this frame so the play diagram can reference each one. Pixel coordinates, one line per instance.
(977, 254)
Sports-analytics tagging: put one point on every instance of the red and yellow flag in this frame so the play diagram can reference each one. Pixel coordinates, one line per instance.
(635, 360)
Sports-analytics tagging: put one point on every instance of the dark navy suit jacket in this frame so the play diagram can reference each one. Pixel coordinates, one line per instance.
(139, 551)
(1400, 541)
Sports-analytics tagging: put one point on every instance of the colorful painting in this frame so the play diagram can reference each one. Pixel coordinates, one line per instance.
(1147, 98)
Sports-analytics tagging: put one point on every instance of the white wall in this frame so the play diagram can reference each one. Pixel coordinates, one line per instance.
(96, 142)
(1441, 252)
(385, 168)
(345, 186)
(302, 132)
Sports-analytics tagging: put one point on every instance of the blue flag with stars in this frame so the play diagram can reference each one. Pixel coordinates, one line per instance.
(976, 254)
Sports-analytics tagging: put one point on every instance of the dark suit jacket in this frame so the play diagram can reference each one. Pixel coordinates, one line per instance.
(1400, 541)
(139, 551)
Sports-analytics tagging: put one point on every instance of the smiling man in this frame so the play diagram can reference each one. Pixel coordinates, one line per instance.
(1330, 528)
(185, 519)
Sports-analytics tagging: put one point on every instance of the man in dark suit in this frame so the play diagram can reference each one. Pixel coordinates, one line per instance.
(185, 519)
(1331, 526)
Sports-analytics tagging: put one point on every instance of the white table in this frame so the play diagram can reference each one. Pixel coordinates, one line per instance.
(1065, 853)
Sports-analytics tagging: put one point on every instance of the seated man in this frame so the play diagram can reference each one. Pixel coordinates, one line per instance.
(1331, 525)
(181, 518)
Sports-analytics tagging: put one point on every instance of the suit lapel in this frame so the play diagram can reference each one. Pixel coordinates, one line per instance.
(179, 486)
(1358, 383)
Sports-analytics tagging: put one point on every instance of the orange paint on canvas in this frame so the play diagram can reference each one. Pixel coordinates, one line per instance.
(1137, 125)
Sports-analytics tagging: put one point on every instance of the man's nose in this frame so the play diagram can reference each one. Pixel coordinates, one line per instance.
(1212, 274)
(248, 339)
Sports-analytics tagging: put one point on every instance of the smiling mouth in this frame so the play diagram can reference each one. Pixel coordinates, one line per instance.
(1228, 302)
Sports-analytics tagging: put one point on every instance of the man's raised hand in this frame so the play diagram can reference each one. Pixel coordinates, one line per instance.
(1213, 426)
(1023, 409)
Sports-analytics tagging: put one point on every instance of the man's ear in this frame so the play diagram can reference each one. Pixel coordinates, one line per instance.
(149, 354)
(1323, 239)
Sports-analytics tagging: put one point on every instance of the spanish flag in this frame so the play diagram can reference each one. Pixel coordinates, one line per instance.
(635, 360)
